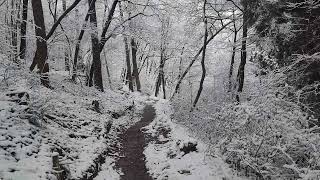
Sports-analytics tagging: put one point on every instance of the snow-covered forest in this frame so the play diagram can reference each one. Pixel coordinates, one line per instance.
(159, 89)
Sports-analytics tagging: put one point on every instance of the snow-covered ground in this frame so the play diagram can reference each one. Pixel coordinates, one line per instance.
(67, 121)
(63, 120)
(167, 155)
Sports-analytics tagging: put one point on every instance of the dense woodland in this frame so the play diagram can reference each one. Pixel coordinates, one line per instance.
(242, 75)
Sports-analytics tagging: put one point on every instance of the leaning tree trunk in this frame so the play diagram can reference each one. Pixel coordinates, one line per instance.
(195, 58)
(42, 50)
(23, 32)
(96, 61)
(240, 76)
(134, 64)
(78, 42)
(203, 67)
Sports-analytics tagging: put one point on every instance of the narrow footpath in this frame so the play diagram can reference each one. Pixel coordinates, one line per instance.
(132, 159)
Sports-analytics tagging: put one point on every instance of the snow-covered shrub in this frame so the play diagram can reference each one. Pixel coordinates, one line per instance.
(268, 132)
(37, 110)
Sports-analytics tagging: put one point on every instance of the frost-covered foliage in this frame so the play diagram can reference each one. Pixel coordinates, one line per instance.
(267, 134)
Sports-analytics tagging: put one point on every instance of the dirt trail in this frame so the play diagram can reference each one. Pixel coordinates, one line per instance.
(132, 161)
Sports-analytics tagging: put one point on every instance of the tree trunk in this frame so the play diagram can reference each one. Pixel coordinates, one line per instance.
(127, 51)
(134, 64)
(56, 24)
(14, 29)
(163, 85)
(107, 67)
(129, 75)
(23, 32)
(158, 83)
(96, 61)
(78, 42)
(160, 79)
(233, 54)
(55, 10)
(107, 23)
(42, 50)
(240, 76)
(195, 58)
(203, 67)
(66, 51)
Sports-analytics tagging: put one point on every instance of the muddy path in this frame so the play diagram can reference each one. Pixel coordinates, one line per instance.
(132, 159)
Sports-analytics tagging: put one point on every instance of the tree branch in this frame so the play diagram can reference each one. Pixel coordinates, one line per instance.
(56, 24)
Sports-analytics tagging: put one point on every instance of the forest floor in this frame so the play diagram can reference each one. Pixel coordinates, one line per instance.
(103, 136)
(158, 148)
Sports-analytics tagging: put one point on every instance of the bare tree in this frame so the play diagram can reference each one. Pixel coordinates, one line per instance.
(234, 48)
(135, 72)
(40, 57)
(66, 51)
(176, 89)
(203, 66)
(127, 52)
(240, 76)
(163, 50)
(23, 29)
(42, 49)
(95, 73)
(78, 42)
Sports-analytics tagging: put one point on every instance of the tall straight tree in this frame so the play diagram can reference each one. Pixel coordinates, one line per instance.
(127, 51)
(240, 76)
(23, 29)
(95, 74)
(234, 47)
(163, 57)
(42, 49)
(135, 71)
(66, 51)
(15, 16)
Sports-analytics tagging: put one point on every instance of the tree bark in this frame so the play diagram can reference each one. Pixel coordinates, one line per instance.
(160, 79)
(107, 24)
(128, 63)
(96, 61)
(66, 51)
(127, 51)
(14, 29)
(42, 50)
(55, 10)
(78, 42)
(23, 31)
(203, 67)
(107, 68)
(233, 53)
(240, 76)
(134, 64)
(55, 25)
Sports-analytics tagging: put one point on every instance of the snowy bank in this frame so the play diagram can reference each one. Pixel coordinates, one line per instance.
(173, 154)
(77, 122)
